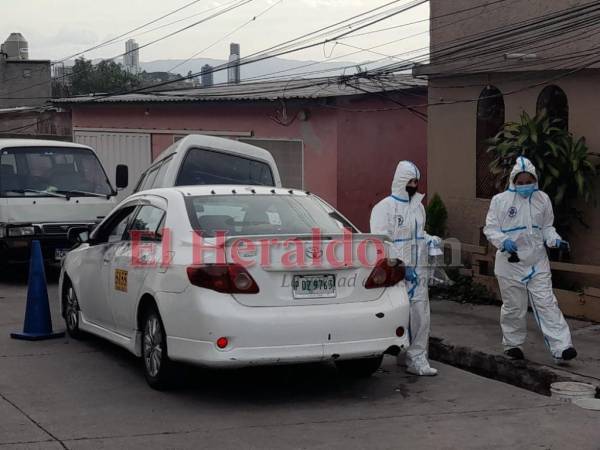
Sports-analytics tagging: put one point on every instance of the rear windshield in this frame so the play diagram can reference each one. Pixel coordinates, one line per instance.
(252, 215)
(210, 167)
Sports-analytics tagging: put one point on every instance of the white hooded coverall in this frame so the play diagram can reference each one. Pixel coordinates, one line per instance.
(529, 223)
(402, 219)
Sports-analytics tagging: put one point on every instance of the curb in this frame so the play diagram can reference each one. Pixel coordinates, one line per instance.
(524, 374)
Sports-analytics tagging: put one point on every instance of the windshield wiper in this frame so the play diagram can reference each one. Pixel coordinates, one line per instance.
(92, 194)
(35, 191)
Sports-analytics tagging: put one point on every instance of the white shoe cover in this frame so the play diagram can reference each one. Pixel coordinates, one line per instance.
(424, 371)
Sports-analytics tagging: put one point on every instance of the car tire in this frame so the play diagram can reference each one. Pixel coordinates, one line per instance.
(71, 312)
(158, 369)
(359, 368)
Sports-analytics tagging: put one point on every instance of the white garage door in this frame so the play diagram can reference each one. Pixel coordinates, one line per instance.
(132, 149)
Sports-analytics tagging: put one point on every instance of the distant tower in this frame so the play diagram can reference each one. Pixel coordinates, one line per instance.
(206, 73)
(131, 59)
(233, 72)
(15, 47)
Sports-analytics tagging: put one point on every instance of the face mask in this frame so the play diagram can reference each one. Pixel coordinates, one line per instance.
(412, 190)
(526, 190)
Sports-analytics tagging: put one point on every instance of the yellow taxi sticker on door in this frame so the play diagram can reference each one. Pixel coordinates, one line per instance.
(121, 280)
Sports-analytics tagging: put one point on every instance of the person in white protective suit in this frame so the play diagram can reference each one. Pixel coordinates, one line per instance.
(519, 223)
(401, 217)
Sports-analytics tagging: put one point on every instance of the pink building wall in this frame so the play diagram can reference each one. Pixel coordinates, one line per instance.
(349, 157)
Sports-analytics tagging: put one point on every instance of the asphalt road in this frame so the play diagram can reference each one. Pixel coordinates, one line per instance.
(92, 395)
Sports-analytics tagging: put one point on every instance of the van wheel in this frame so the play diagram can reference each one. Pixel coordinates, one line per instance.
(158, 369)
(359, 368)
(71, 312)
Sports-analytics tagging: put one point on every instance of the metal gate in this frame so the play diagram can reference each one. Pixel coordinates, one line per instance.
(132, 149)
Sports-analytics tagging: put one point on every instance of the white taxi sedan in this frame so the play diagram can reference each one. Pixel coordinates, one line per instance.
(232, 276)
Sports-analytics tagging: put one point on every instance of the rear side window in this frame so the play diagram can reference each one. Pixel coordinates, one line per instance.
(202, 166)
(149, 221)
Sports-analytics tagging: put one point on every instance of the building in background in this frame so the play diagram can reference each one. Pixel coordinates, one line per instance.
(233, 71)
(206, 74)
(131, 59)
(327, 136)
(15, 47)
(23, 81)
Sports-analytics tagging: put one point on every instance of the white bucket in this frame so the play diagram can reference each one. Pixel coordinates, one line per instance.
(567, 391)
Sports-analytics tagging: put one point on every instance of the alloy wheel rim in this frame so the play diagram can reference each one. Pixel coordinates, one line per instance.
(71, 313)
(153, 346)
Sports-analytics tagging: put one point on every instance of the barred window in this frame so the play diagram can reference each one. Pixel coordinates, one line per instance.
(553, 101)
(490, 119)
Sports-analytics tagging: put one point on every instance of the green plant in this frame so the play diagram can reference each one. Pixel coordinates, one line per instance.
(437, 217)
(565, 170)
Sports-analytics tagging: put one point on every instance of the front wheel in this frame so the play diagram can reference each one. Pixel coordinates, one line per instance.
(157, 367)
(359, 368)
(71, 312)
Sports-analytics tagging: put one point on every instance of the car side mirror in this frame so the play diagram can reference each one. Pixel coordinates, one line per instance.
(122, 176)
(78, 235)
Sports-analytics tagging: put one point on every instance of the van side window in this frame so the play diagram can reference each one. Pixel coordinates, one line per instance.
(149, 179)
(160, 176)
(202, 166)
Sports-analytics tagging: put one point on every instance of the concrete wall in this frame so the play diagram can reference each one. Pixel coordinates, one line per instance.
(447, 26)
(35, 124)
(349, 157)
(370, 147)
(24, 83)
(452, 144)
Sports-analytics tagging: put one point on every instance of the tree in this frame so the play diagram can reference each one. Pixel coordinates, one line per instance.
(566, 172)
(106, 76)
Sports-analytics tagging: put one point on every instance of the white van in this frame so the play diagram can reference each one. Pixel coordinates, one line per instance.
(47, 188)
(201, 160)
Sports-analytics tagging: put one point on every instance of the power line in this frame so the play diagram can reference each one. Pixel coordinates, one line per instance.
(253, 19)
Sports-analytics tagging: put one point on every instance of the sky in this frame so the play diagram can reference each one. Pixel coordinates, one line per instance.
(56, 29)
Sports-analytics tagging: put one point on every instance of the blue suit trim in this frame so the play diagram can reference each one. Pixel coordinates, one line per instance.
(399, 199)
(530, 276)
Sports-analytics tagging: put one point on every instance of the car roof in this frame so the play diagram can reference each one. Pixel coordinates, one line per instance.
(12, 143)
(217, 144)
(220, 189)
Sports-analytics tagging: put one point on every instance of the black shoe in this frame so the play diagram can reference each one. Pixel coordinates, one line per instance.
(569, 354)
(515, 353)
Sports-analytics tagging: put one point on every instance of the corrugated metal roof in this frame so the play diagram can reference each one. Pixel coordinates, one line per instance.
(307, 88)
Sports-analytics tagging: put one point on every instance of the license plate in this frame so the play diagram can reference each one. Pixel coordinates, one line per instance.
(313, 286)
(60, 253)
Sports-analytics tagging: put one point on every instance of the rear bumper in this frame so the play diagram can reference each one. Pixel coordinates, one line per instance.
(206, 354)
(281, 335)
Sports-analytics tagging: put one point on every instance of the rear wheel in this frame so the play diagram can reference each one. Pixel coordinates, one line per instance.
(157, 367)
(71, 312)
(359, 368)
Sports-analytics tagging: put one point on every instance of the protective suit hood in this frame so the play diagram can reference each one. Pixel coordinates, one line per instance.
(405, 172)
(521, 165)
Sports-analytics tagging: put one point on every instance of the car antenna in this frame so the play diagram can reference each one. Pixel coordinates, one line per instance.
(253, 191)
(233, 191)
(291, 191)
(213, 192)
(272, 191)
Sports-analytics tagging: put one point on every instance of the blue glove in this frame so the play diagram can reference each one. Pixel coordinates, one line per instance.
(411, 274)
(509, 246)
(564, 244)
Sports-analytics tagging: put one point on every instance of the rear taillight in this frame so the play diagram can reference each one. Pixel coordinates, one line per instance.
(225, 278)
(387, 272)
